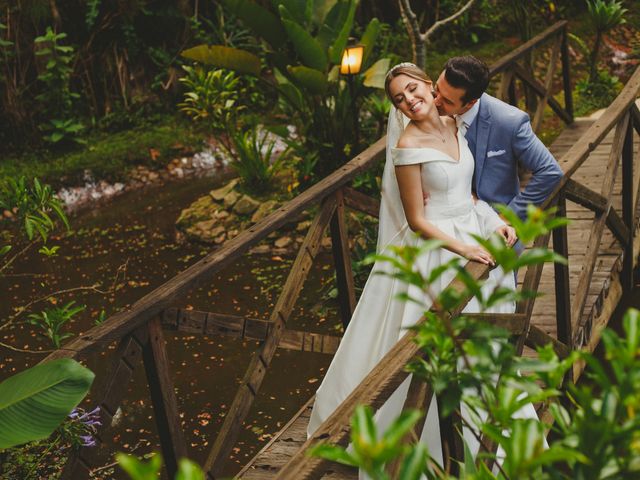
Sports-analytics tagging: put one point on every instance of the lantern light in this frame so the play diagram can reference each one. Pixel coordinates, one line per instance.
(352, 60)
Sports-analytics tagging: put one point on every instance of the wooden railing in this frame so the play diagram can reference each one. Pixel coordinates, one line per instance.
(139, 330)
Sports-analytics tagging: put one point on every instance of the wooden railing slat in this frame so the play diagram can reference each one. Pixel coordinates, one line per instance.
(553, 60)
(508, 60)
(342, 261)
(163, 397)
(540, 90)
(628, 204)
(361, 202)
(561, 277)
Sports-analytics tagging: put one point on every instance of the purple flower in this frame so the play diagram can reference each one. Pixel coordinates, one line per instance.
(88, 441)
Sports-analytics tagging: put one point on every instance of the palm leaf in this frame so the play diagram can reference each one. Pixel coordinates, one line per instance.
(225, 57)
(263, 22)
(309, 49)
(34, 402)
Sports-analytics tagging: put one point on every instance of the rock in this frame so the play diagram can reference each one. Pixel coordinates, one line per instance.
(231, 198)
(153, 176)
(220, 239)
(260, 249)
(222, 214)
(178, 172)
(326, 243)
(303, 226)
(283, 242)
(232, 233)
(202, 209)
(246, 205)
(207, 231)
(222, 192)
(263, 210)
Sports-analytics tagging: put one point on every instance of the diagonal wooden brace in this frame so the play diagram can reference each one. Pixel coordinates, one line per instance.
(257, 367)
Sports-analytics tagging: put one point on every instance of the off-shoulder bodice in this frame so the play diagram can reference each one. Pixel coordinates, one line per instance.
(447, 181)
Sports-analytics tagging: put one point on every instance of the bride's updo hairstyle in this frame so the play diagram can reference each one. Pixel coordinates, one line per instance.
(404, 68)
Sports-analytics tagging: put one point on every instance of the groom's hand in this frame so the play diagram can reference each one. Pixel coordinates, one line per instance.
(508, 233)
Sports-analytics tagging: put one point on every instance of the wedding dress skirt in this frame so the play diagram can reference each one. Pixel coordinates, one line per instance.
(381, 319)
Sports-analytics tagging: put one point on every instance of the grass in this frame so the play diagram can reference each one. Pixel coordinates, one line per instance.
(109, 155)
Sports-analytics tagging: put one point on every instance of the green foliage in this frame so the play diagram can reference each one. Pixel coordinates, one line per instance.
(34, 402)
(471, 363)
(599, 94)
(138, 470)
(56, 98)
(212, 96)
(52, 320)
(36, 206)
(305, 44)
(254, 160)
(605, 15)
(111, 156)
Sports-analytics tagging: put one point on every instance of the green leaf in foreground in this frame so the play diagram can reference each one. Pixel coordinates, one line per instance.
(34, 402)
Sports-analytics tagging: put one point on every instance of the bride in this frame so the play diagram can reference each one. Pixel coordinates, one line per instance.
(427, 159)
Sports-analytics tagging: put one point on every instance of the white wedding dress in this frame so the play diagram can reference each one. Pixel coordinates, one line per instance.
(380, 318)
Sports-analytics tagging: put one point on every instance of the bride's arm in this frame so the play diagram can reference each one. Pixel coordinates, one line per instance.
(410, 186)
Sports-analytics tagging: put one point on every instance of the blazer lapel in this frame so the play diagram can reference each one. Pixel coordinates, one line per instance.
(482, 137)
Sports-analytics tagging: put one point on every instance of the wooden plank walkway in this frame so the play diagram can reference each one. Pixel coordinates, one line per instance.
(603, 294)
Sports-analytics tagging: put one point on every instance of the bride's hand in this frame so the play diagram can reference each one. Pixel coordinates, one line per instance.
(508, 233)
(478, 254)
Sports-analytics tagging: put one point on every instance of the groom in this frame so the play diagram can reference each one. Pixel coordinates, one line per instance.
(499, 136)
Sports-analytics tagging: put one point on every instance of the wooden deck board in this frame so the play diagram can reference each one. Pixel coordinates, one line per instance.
(264, 465)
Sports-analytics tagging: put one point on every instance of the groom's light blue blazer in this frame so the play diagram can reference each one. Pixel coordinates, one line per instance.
(499, 138)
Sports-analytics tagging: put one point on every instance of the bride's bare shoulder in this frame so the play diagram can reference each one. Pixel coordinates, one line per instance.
(409, 138)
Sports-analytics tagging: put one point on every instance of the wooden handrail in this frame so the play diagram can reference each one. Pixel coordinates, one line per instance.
(504, 63)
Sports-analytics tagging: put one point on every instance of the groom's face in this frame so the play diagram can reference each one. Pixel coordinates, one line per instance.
(448, 99)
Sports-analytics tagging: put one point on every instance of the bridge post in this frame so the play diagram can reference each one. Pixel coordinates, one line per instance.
(561, 276)
(163, 397)
(628, 207)
(342, 261)
(566, 74)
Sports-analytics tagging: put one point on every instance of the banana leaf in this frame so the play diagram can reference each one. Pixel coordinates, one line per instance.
(374, 76)
(263, 22)
(235, 59)
(310, 51)
(312, 80)
(369, 38)
(320, 10)
(301, 10)
(335, 51)
(34, 402)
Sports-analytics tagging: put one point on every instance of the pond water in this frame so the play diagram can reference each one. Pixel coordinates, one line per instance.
(127, 248)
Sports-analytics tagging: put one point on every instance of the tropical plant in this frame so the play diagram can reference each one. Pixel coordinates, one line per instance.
(34, 205)
(254, 159)
(212, 96)
(598, 94)
(604, 15)
(56, 98)
(34, 402)
(305, 42)
(51, 321)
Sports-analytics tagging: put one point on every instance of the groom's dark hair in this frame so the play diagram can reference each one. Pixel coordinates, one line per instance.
(468, 73)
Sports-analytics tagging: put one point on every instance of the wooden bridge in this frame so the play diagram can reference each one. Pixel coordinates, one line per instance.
(599, 193)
